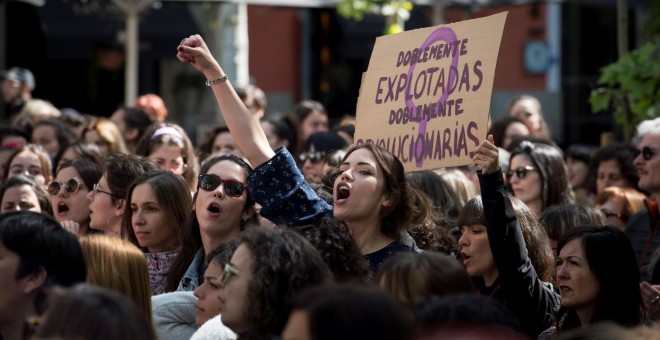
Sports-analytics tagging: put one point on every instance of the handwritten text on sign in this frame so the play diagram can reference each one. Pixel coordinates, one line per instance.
(426, 94)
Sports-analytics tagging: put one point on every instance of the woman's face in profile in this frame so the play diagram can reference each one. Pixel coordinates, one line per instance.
(233, 293)
(578, 286)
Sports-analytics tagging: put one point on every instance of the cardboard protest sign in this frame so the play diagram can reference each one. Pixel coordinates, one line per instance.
(426, 94)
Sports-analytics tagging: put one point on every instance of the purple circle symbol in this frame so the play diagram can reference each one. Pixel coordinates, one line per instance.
(441, 34)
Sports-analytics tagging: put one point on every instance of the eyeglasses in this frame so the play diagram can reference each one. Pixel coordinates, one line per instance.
(521, 172)
(313, 157)
(647, 153)
(96, 189)
(210, 182)
(230, 272)
(71, 186)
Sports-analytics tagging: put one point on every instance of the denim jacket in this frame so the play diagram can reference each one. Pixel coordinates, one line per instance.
(194, 275)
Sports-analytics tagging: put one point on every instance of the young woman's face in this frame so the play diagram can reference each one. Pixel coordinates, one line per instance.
(527, 189)
(312, 166)
(102, 210)
(224, 144)
(45, 135)
(609, 175)
(273, 140)
(475, 250)
(208, 303)
(27, 163)
(169, 158)
(150, 224)
(21, 198)
(70, 206)
(359, 188)
(527, 111)
(578, 286)
(93, 137)
(219, 214)
(234, 290)
(578, 172)
(314, 122)
(68, 154)
(513, 131)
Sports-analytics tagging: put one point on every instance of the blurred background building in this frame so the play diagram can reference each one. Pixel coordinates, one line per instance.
(303, 49)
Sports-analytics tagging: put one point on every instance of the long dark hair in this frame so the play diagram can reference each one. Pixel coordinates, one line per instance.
(612, 260)
(549, 162)
(283, 265)
(190, 235)
(173, 196)
(536, 241)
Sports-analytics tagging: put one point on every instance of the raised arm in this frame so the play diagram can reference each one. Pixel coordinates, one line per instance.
(527, 297)
(244, 127)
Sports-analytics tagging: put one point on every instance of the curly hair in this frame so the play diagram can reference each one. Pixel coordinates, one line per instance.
(333, 240)
(283, 265)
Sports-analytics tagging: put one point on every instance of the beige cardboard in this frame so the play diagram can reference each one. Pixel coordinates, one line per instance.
(450, 84)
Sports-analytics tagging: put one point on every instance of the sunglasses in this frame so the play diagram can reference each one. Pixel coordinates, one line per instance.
(229, 273)
(647, 153)
(313, 157)
(210, 182)
(71, 186)
(521, 172)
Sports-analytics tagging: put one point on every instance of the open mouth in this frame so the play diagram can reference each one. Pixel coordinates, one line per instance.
(343, 191)
(62, 208)
(214, 208)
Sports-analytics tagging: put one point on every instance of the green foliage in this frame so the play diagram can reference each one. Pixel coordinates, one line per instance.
(632, 86)
(397, 11)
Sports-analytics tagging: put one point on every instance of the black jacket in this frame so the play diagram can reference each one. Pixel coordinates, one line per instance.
(532, 301)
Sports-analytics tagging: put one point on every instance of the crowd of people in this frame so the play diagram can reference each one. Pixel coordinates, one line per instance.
(279, 227)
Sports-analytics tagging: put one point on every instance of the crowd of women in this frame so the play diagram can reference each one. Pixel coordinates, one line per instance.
(277, 227)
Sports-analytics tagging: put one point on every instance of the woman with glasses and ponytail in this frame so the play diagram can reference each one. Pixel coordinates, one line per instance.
(222, 208)
(538, 176)
(68, 192)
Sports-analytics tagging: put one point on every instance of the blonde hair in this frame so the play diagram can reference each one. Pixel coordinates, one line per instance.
(109, 133)
(117, 264)
(460, 183)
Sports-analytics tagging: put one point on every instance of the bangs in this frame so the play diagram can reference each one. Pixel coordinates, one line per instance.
(472, 213)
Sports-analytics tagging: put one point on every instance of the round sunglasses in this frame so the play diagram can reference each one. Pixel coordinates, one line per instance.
(71, 186)
(210, 182)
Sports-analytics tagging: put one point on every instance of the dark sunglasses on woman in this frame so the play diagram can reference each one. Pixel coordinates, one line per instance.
(210, 182)
(521, 172)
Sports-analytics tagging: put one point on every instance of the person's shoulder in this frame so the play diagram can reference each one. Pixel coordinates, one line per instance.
(214, 329)
(179, 298)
